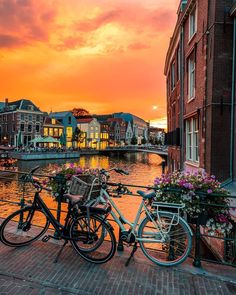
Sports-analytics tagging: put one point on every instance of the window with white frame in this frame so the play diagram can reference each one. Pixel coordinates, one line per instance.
(192, 23)
(192, 140)
(191, 76)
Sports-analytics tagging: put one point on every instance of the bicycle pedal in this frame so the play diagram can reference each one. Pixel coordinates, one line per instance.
(45, 239)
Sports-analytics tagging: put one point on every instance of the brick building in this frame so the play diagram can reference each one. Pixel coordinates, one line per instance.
(20, 122)
(199, 69)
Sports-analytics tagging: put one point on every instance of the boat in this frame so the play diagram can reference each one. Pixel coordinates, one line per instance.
(8, 165)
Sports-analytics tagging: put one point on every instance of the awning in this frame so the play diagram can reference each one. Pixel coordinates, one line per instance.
(48, 139)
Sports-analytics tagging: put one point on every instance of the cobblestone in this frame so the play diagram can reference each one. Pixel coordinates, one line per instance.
(31, 270)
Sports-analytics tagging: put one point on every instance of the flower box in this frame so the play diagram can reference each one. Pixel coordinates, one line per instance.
(206, 203)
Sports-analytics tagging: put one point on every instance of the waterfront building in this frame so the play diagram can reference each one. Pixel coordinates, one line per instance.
(200, 76)
(156, 135)
(104, 130)
(69, 122)
(20, 122)
(139, 126)
(90, 128)
(117, 131)
(53, 128)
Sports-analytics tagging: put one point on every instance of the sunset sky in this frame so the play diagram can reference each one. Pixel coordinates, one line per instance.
(101, 55)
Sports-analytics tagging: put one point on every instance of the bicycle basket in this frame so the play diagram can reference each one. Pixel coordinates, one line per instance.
(85, 185)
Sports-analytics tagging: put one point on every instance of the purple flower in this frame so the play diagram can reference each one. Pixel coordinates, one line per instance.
(72, 165)
(209, 191)
(79, 170)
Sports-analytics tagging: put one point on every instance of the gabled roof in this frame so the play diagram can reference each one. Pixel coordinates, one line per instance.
(60, 114)
(22, 104)
(84, 120)
(103, 118)
(48, 121)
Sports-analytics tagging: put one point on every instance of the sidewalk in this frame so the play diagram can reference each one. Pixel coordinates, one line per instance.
(30, 270)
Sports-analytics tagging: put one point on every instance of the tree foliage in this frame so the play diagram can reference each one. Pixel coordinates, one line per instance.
(79, 112)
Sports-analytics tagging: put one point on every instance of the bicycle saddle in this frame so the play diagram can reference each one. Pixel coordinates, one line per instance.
(74, 199)
(147, 195)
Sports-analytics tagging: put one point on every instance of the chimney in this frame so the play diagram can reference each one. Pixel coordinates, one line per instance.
(6, 102)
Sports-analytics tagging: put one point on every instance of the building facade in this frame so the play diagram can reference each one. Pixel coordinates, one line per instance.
(52, 128)
(69, 123)
(20, 122)
(200, 98)
(90, 127)
(138, 125)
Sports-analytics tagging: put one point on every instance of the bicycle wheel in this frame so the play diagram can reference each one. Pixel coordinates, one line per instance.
(177, 240)
(93, 238)
(23, 227)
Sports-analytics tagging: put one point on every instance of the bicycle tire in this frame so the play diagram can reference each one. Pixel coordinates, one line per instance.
(17, 230)
(96, 244)
(178, 241)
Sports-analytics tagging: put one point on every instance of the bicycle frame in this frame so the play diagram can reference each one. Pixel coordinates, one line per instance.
(39, 204)
(121, 220)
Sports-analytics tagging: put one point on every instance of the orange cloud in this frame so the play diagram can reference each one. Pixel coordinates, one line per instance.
(99, 55)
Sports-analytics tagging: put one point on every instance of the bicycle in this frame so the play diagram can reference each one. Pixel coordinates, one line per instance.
(91, 235)
(163, 235)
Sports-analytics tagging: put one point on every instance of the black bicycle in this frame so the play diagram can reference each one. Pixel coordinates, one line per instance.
(90, 234)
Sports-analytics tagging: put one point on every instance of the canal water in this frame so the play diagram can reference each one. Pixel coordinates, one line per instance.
(142, 168)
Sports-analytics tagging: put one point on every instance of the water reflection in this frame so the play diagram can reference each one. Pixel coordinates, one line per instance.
(143, 169)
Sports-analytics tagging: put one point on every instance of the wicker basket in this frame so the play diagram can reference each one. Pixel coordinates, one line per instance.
(87, 186)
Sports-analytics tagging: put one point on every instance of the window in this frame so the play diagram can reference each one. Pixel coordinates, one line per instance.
(68, 131)
(22, 116)
(172, 76)
(191, 76)
(69, 120)
(96, 135)
(30, 107)
(178, 58)
(45, 131)
(53, 121)
(37, 128)
(192, 23)
(29, 128)
(192, 140)
(91, 135)
(22, 127)
(60, 131)
(30, 117)
(38, 118)
(51, 131)
(56, 132)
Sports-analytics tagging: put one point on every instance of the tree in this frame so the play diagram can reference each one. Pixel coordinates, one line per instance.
(79, 112)
(134, 140)
(75, 135)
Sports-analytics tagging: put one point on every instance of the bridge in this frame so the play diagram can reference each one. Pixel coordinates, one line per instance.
(162, 152)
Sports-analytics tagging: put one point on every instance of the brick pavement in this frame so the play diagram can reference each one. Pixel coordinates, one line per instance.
(30, 270)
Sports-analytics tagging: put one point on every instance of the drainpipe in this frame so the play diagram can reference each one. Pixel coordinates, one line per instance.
(232, 105)
(182, 99)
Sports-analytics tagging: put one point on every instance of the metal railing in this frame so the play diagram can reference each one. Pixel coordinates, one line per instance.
(222, 248)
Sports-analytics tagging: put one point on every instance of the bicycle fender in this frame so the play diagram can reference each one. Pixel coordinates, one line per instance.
(181, 218)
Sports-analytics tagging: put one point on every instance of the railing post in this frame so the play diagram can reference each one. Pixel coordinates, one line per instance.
(197, 254)
(120, 246)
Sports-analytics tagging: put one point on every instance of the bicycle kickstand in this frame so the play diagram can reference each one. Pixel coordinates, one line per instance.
(59, 253)
(131, 254)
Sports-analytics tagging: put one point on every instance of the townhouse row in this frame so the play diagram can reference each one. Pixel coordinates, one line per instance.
(22, 121)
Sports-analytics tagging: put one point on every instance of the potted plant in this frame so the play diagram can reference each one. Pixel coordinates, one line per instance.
(206, 203)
